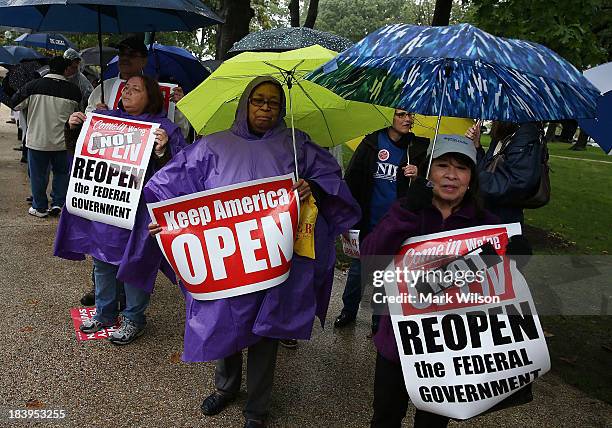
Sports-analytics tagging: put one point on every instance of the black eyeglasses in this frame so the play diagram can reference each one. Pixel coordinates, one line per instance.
(403, 114)
(259, 102)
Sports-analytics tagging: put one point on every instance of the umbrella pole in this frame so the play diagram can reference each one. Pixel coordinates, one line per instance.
(100, 52)
(447, 72)
(289, 84)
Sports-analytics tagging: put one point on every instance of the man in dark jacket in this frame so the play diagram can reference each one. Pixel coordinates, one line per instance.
(378, 173)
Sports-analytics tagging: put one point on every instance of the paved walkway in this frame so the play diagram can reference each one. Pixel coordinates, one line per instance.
(326, 382)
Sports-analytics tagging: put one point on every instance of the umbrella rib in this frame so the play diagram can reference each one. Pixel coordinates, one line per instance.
(331, 137)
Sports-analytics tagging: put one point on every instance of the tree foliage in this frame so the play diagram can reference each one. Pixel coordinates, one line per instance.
(357, 18)
(578, 30)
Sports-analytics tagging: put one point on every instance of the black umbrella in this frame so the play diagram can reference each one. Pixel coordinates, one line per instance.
(107, 16)
(22, 73)
(286, 39)
(91, 56)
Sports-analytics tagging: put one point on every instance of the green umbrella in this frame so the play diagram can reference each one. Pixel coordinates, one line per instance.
(329, 119)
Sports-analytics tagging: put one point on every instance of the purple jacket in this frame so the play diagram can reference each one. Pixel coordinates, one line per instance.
(77, 236)
(400, 224)
(218, 328)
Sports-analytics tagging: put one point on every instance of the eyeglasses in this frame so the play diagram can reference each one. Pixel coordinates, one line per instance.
(403, 114)
(259, 102)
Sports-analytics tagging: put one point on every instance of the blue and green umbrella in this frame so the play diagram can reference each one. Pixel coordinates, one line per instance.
(466, 71)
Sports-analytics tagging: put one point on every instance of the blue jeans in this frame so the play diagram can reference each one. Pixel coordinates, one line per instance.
(351, 297)
(38, 166)
(353, 292)
(108, 292)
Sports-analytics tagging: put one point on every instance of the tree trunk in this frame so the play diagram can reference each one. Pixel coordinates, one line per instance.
(294, 12)
(313, 10)
(442, 13)
(237, 15)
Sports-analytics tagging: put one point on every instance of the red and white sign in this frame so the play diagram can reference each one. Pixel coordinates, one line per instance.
(79, 315)
(350, 243)
(108, 170)
(465, 324)
(383, 155)
(166, 90)
(232, 240)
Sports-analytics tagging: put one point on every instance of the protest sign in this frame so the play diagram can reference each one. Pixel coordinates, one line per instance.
(79, 315)
(232, 240)
(466, 326)
(166, 90)
(108, 169)
(350, 243)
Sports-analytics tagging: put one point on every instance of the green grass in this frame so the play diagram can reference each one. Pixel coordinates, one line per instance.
(581, 204)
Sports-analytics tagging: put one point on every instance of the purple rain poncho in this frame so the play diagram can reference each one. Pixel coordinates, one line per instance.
(77, 236)
(218, 328)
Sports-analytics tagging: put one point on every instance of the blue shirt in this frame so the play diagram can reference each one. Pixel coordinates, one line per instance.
(384, 190)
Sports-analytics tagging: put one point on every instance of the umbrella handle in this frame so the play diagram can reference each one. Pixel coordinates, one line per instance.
(447, 71)
(100, 52)
(295, 161)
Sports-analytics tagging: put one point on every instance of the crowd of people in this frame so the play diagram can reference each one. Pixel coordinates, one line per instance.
(386, 194)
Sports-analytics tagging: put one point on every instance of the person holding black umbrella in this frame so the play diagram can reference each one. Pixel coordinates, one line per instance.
(50, 100)
(133, 56)
(132, 60)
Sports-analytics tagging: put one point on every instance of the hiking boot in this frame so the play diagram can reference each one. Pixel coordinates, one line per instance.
(92, 325)
(127, 332)
(40, 214)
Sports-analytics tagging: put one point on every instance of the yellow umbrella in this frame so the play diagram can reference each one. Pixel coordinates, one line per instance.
(425, 126)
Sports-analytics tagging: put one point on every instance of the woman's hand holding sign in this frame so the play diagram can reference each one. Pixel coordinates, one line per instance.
(76, 119)
(303, 189)
(161, 139)
(154, 229)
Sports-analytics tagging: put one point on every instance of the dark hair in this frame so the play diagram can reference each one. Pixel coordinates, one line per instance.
(500, 130)
(472, 195)
(156, 100)
(58, 65)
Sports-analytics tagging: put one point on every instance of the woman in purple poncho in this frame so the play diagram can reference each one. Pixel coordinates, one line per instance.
(258, 145)
(77, 236)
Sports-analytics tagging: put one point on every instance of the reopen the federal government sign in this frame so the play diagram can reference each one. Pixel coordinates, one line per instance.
(232, 240)
(108, 169)
(466, 326)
